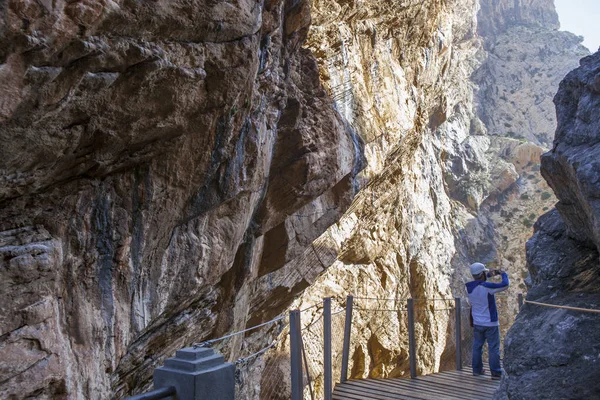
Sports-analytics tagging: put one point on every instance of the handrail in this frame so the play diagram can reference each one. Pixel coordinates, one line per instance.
(377, 298)
(537, 303)
(156, 394)
(211, 341)
(258, 353)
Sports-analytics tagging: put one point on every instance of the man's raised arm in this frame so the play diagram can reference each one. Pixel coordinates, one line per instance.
(493, 287)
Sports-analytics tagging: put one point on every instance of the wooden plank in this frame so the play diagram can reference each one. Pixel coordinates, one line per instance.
(479, 379)
(337, 395)
(451, 382)
(462, 377)
(461, 382)
(392, 393)
(443, 389)
(467, 373)
(463, 391)
(485, 379)
(446, 385)
(363, 393)
(415, 385)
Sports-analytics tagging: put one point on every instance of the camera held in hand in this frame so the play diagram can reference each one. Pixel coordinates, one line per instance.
(493, 272)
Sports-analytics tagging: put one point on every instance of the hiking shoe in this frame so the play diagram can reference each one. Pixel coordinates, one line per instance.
(496, 377)
(480, 373)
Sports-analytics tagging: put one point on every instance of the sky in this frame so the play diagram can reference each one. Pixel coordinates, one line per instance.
(582, 18)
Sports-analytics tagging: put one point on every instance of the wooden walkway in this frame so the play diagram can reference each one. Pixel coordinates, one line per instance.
(447, 385)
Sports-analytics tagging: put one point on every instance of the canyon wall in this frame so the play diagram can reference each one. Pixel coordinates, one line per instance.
(176, 170)
(453, 131)
(157, 159)
(550, 352)
(526, 58)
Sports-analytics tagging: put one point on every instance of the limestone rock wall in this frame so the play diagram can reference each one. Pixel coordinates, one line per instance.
(156, 159)
(399, 75)
(526, 58)
(555, 345)
(452, 165)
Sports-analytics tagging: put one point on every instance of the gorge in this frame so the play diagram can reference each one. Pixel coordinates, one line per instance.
(175, 170)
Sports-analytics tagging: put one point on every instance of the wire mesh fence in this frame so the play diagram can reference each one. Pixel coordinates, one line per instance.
(338, 320)
(260, 368)
(313, 359)
(503, 306)
(313, 343)
(379, 345)
(435, 335)
(379, 339)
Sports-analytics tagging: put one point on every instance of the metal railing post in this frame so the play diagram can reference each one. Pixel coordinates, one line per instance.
(347, 330)
(296, 355)
(411, 338)
(520, 299)
(458, 327)
(327, 373)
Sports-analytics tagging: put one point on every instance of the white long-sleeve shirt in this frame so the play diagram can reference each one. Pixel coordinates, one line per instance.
(483, 301)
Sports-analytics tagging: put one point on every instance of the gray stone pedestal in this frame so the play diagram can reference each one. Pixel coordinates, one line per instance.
(197, 374)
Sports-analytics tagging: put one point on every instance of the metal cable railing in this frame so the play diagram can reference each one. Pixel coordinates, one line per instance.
(587, 310)
(303, 355)
(378, 347)
(254, 361)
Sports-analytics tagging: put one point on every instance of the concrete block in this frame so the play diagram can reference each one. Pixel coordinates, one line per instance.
(197, 374)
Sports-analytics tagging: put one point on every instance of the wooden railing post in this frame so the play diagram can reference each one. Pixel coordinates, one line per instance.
(296, 355)
(347, 330)
(458, 326)
(327, 373)
(520, 299)
(411, 339)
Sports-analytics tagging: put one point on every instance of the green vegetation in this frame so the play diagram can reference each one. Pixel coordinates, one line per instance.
(524, 196)
(546, 195)
(532, 216)
(527, 223)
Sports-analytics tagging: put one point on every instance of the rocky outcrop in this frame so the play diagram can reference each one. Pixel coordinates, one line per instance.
(471, 188)
(399, 75)
(497, 16)
(156, 160)
(556, 345)
(526, 58)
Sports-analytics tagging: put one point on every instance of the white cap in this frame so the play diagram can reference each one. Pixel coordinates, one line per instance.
(478, 268)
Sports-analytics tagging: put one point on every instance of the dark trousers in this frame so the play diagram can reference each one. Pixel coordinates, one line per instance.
(491, 334)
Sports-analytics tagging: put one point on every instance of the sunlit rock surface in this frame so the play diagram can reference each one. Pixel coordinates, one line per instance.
(526, 58)
(556, 345)
(447, 181)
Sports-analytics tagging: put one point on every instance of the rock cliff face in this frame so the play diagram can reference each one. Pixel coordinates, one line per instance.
(556, 345)
(157, 159)
(526, 58)
(175, 170)
(470, 189)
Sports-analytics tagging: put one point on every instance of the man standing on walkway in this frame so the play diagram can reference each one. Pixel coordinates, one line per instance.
(484, 315)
